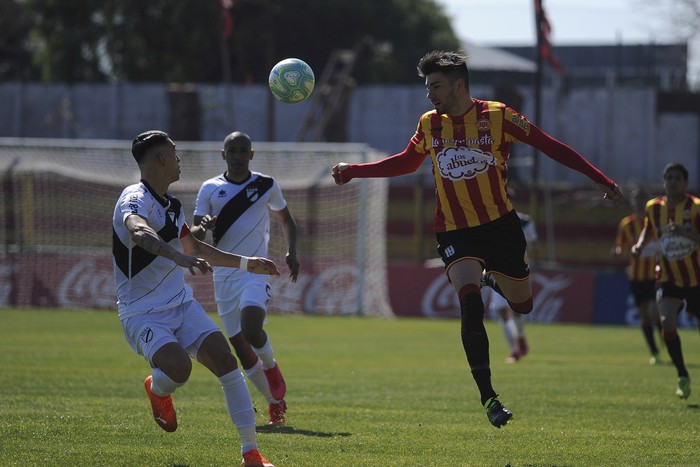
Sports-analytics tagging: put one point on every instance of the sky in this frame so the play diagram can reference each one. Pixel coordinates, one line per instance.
(573, 22)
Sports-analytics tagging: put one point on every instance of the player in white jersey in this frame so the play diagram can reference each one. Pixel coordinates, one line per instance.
(159, 316)
(513, 324)
(235, 206)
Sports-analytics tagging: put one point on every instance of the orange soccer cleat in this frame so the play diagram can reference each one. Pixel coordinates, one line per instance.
(253, 458)
(162, 406)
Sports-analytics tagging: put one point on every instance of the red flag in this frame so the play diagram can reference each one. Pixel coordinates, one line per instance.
(226, 18)
(544, 30)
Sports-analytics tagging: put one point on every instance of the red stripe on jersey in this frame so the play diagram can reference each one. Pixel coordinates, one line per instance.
(185, 231)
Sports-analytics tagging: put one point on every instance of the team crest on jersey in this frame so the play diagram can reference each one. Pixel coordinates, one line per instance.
(252, 193)
(483, 124)
(222, 194)
(460, 163)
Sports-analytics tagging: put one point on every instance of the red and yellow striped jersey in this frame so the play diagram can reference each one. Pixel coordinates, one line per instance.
(641, 268)
(679, 256)
(470, 154)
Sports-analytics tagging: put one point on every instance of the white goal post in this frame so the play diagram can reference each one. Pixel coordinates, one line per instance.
(59, 195)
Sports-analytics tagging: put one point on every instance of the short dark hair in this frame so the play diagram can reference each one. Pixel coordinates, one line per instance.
(452, 64)
(145, 141)
(676, 166)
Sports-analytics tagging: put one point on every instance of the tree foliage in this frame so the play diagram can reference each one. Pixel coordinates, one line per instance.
(182, 41)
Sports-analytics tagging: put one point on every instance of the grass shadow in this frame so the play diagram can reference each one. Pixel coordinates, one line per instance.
(290, 430)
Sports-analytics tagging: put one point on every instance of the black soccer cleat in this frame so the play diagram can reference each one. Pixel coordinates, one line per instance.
(496, 413)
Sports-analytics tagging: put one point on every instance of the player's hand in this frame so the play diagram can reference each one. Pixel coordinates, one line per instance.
(335, 172)
(293, 265)
(194, 263)
(614, 194)
(262, 266)
(208, 222)
(636, 251)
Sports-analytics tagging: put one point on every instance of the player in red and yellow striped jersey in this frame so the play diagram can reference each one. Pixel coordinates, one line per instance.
(468, 141)
(673, 220)
(641, 271)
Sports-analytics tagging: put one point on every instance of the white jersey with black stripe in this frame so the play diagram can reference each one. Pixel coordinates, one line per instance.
(243, 220)
(147, 282)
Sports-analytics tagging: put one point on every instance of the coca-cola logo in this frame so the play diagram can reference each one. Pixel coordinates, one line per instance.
(440, 298)
(329, 292)
(88, 284)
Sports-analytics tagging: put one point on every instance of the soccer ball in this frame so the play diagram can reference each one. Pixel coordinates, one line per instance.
(291, 81)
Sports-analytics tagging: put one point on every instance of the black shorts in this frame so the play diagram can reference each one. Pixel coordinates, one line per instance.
(643, 291)
(691, 295)
(499, 246)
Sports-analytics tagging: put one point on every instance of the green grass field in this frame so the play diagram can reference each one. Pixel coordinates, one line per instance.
(361, 392)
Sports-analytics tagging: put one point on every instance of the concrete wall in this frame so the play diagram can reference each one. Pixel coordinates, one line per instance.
(617, 129)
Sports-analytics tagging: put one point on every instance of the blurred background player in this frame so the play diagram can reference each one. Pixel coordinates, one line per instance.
(513, 324)
(161, 319)
(673, 220)
(235, 207)
(641, 271)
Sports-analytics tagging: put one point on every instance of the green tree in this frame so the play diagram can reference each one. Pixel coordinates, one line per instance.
(15, 50)
(181, 40)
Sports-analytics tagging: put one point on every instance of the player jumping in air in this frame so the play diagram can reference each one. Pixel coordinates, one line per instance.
(468, 141)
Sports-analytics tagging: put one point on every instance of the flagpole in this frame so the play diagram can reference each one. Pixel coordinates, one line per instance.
(534, 174)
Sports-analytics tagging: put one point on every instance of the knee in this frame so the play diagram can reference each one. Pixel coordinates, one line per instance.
(179, 371)
(523, 308)
(216, 355)
(174, 362)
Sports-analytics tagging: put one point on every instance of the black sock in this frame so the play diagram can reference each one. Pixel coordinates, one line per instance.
(476, 343)
(673, 345)
(648, 331)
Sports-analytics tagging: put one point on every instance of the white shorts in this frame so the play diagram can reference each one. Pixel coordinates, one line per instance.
(187, 324)
(233, 296)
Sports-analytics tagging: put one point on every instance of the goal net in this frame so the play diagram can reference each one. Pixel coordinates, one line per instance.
(59, 196)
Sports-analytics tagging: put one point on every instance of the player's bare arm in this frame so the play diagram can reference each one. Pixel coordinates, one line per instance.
(217, 257)
(144, 236)
(641, 242)
(289, 226)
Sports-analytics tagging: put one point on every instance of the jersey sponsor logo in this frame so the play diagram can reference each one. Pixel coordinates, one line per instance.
(486, 139)
(460, 163)
(483, 124)
(675, 247)
(521, 122)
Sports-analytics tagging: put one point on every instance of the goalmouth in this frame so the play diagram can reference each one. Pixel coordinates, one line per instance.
(59, 195)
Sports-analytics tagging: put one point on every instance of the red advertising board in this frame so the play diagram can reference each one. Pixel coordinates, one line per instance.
(415, 290)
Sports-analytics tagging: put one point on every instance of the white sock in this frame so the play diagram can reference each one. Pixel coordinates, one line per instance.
(161, 384)
(240, 408)
(519, 324)
(509, 331)
(256, 375)
(266, 355)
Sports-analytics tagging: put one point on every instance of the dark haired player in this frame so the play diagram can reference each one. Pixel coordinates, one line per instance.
(468, 141)
(673, 220)
(161, 319)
